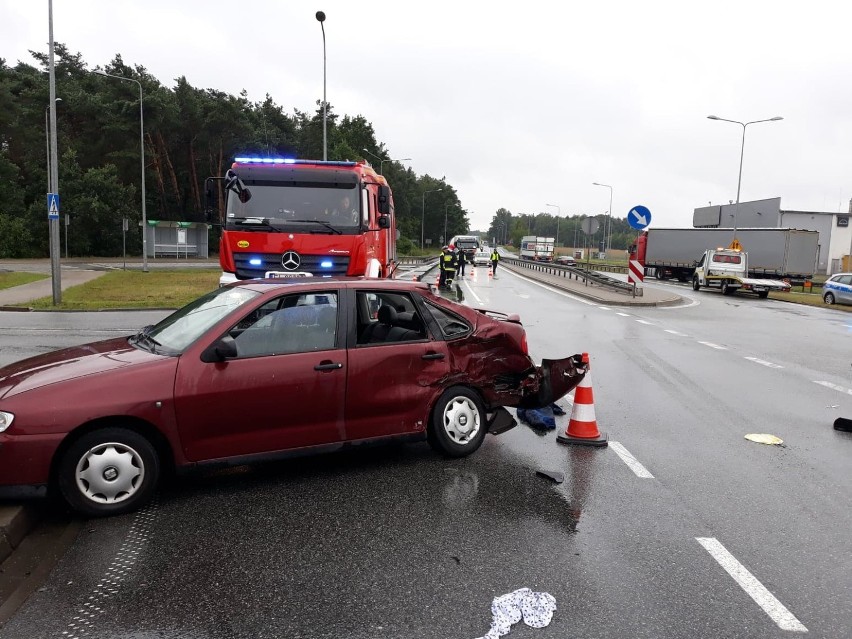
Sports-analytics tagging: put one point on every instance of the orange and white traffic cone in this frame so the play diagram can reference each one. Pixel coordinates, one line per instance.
(583, 427)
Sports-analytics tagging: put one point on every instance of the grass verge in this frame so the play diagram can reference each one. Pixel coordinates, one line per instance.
(8, 280)
(810, 299)
(135, 289)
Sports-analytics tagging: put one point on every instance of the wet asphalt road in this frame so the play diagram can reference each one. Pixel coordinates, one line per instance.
(399, 542)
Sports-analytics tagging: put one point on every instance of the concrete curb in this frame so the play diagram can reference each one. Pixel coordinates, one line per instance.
(15, 522)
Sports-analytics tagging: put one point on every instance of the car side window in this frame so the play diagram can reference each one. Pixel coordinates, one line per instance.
(291, 324)
(451, 325)
(844, 279)
(387, 317)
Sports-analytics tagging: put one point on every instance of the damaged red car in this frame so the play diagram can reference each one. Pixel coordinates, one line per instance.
(260, 370)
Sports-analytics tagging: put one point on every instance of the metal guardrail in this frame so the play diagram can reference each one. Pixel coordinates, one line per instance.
(415, 261)
(578, 273)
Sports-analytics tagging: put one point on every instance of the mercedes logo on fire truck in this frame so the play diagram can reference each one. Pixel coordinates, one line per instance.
(291, 260)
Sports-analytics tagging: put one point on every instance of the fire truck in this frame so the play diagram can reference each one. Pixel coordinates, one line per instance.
(301, 218)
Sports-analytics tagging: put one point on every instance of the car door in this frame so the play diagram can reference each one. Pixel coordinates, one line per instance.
(285, 388)
(843, 288)
(394, 371)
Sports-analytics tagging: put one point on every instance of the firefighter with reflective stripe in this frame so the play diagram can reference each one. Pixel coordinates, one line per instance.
(495, 257)
(450, 261)
(442, 279)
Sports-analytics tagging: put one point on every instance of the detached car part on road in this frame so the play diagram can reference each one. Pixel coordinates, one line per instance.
(261, 370)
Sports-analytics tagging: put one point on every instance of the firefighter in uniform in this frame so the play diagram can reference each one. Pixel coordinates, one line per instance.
(442, 279)
(450, 262)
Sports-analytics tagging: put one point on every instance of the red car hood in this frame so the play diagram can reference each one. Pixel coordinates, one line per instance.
(70, 363)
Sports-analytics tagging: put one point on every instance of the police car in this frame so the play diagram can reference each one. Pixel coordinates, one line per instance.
(838, 289)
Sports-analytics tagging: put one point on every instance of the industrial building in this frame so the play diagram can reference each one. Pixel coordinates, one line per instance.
(835, 232)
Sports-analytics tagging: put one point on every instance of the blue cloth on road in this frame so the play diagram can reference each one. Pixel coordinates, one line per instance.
(538, 417)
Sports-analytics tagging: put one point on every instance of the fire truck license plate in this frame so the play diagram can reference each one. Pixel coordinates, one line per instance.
(284, 274)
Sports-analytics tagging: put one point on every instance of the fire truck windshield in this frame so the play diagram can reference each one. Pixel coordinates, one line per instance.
(297, 207)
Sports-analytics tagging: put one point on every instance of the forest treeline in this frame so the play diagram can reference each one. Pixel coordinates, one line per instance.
(189, 134)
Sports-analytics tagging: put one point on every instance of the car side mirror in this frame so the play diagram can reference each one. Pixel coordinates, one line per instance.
(384, 221)
(220, 350)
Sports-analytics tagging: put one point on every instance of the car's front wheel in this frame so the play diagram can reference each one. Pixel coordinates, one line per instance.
(828, 298)
(695, 284)
(458, 422)
(108, 472)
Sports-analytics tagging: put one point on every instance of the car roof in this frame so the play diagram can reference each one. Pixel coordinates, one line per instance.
(296, 284)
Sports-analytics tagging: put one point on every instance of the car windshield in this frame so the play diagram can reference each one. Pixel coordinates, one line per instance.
(306, 208)
(180, 329)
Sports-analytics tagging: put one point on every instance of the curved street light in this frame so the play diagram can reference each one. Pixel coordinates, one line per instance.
(382, 161)
(142, 156)
(742, 152)
(321, 19)
(558, 215)
(608, 230)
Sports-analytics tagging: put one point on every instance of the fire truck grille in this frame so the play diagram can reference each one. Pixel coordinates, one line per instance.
(318, 265)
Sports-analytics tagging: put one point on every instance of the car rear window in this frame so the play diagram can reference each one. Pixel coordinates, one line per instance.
(451, 325)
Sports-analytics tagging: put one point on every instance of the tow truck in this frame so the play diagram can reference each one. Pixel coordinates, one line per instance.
(726, 269)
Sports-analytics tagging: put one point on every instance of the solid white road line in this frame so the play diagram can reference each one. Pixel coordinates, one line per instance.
(470, 289)
(834, 387)
(763, 362)
(668, 330)
(748, 582)
(712, 345)
(630, 460)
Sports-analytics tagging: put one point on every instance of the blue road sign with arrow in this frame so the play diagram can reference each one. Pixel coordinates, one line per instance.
(53, 206)
(639, 217)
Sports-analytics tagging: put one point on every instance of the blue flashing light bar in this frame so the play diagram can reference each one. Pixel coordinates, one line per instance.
(259, 160)
(255, 261)
(326, 264)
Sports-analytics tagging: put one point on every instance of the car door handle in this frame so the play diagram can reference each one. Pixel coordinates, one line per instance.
(432, 356)
(328, 366)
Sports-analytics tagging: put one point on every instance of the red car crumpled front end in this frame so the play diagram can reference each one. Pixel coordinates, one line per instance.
(495, 359)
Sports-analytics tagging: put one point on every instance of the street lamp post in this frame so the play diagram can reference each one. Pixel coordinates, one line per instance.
(321, 18)
(608, 231)
(558, 214)
(142, 156)
(53, 224)
(423, 216)
(742, 151)
(382, 161)
(446, 208)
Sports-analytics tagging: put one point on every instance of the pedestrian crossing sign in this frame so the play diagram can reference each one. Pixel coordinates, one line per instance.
(53, 206)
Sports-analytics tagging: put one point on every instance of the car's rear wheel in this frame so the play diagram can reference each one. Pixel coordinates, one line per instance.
(828, 298)
(458, 422)
(108, 472)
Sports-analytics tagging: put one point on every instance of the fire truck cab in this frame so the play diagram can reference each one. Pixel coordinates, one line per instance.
(303, 218)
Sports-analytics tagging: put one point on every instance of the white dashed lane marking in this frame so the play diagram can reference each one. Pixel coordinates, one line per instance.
(834, 387)
(763, 362)
(630, 460)
(623, 314)
(645, 322)
(678, 333)
(712, 345)
(748, 582)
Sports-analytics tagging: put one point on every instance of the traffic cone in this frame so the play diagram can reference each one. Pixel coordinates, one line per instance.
(583, 427)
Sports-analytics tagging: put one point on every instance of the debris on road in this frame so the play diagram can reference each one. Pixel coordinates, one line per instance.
(841, 423)
(763, 438)
(555, 475)
(536, 609)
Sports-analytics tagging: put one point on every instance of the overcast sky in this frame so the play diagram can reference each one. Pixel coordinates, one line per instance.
(526, 106)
